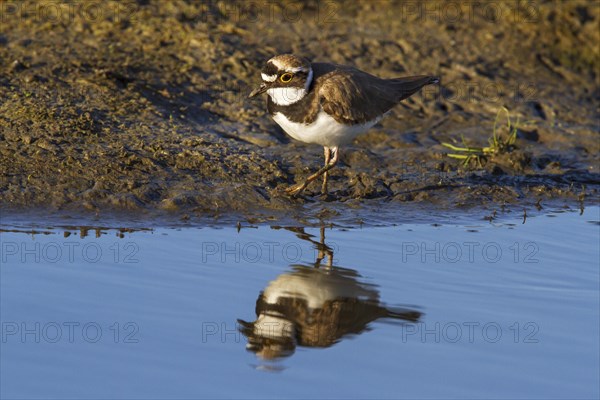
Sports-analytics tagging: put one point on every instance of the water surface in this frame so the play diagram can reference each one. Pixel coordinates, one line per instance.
(480, 310)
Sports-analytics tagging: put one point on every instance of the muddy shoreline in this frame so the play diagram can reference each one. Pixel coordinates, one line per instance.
(139, 108)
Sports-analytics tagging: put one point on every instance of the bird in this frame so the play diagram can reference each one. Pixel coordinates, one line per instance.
(329, 104)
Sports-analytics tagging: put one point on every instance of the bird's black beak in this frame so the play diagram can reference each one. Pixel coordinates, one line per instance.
(261, 89)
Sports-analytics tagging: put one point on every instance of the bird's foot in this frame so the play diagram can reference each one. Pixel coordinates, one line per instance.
(296, 189)
(325, 196)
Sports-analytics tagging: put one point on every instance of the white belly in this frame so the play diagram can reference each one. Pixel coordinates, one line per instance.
(316, 288)
(325, 130)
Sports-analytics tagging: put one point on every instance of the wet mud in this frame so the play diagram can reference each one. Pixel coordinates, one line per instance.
(140, 107)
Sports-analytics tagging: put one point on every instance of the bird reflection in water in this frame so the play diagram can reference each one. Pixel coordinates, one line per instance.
(315, 306)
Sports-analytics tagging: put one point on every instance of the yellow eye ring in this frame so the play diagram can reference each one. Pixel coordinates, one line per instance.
(287, 77)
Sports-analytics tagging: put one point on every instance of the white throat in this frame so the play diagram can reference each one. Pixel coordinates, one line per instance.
(290, 95)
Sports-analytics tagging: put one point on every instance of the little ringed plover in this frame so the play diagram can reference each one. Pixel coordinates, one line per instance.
(329, 104)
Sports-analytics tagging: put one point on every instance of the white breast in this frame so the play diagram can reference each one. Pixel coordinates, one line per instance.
(273, 327)
(325, 130)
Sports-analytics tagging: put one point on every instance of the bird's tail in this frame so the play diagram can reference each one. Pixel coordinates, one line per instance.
(407, 86)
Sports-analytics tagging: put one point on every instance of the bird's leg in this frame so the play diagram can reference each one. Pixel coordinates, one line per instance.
(296, 189)
(326, 174)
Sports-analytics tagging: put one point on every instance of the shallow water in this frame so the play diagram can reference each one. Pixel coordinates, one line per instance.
(481, 310)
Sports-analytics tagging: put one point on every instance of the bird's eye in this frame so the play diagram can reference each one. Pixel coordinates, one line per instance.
(285, 78)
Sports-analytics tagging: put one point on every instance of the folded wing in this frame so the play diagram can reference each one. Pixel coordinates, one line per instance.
(355, 97)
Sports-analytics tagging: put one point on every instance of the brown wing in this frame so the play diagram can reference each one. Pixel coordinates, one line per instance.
(353, 97)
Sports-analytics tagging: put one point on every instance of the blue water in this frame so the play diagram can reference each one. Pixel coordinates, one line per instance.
(478, 310)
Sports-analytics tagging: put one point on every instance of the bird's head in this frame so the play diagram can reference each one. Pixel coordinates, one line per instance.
(286, 79)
